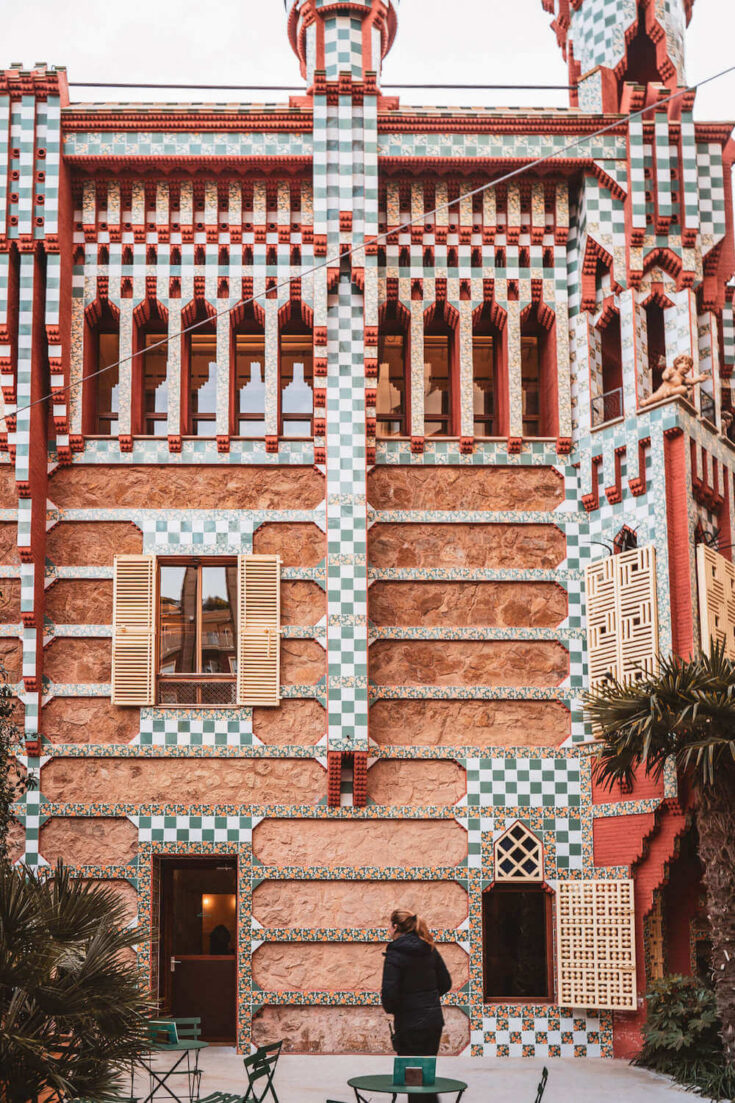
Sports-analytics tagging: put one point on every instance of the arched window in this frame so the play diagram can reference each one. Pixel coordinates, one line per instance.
(609, 404)
(296, 374)
(439, 371)
(102, 386)
(656, 334)
(150, 382)
(199, 371)
(391, 409)
(487, 361)
(516, 938)
(247, 399)
(538, 372)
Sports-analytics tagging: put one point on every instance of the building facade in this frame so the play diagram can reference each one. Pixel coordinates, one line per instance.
(327, 490)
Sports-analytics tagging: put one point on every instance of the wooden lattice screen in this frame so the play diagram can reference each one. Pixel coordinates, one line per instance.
(133, 630)
(622, 617)
(518, 855)
(595, 928)
(716, 585)
(258, 659)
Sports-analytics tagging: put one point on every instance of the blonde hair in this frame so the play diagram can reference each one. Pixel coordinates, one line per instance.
(408, 923)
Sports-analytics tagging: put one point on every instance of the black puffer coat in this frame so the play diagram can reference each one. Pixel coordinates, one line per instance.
(414, 978)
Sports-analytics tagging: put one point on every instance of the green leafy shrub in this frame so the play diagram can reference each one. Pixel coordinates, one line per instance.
(682, 1037)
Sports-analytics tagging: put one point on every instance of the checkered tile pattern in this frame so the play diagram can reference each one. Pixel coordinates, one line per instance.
(184, 728)
(543, 1032)
(193, 829)
(531, 782)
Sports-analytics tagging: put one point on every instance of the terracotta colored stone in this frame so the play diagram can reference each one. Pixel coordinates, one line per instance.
(465, 545)
(190, 487)
(16, 840)
(463, 723)
(358, 904)
(69, 661)
(440, 604)
(88, 720)
(82, 841)
(11, 659)
(299, 543)
(80, 601)
(10, 600)
(8, 491)
(302, 603)
(401, 781)
(336, 966)
(455, 662)
(344, 1029)
(303, 662)
(297, 722)
(216, 781)
(9, 543)
(92, 543)
(451, 487)
(350, 843)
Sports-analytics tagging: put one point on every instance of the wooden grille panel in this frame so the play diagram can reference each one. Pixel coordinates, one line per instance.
(622, 615)
(716, 585)
(259, 610)
(595, 932)
(133, 630)
(518, 855)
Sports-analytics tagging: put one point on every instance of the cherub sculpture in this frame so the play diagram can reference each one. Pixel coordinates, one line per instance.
(679, 379)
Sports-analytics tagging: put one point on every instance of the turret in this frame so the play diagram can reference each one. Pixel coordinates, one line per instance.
(341, 37)
(610, 43)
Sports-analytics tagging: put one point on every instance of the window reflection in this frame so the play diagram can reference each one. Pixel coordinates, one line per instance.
(198, 629)
(436, 385)
(391, 391)
(203, 384)
(297, 378)
(155, 386)
(483, 389)
(531, 383)
(250, 385)
(108, 384)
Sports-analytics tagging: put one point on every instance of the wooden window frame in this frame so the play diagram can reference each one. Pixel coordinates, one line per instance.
(535, 887)
(235, 416)
(448, 420)
(394, 328)
(295, 329)
(191, 421)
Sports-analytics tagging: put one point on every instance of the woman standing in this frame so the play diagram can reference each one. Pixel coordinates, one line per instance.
(414, 980)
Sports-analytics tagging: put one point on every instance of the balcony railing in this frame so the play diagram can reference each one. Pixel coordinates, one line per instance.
(607, 407)
(707, 407)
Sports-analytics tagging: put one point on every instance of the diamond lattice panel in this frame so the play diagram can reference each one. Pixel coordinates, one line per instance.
(716, 584)
(518, 856)
(596, 944)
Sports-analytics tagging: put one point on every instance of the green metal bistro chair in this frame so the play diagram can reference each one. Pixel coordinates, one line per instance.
(260, 1068)
(542, 1085)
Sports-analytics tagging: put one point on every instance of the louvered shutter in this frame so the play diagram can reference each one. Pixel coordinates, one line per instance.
(133, 630)
(259, 615)
(716, 585)
(595, 932)
(622, 617)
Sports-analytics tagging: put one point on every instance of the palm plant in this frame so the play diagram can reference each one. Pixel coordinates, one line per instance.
(72, 1004)
(685, 712)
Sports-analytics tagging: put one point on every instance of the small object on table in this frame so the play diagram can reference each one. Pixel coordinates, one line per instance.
(414, 1070)
(414, 1075)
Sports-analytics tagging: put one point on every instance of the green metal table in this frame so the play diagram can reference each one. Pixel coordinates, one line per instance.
(183, 1049)
(384, 1084)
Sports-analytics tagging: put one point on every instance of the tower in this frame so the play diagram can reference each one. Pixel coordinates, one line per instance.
(610, 43)
(341, 37)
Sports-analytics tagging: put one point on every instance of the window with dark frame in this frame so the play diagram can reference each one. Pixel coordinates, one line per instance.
(516, 938)
(390, 411)
(249, 385)
(107, 384)
(197, 631)
(155, 385)
(203, 384)
(531, 384)
(483, 385)
(297, 384)
(437, 398)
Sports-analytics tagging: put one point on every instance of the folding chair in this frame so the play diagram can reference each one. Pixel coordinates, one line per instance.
(260, 1068)
(542, 1085)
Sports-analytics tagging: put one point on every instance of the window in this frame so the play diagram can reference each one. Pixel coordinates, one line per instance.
(155, 385)
(656, 335)
(531, 384)
(101, 388)
(203, 384)
(107, 384)
(437, 397)
(249, 404)
(622, 616)
(483, 385)
(610, 404)
(297, 381)
(197, 659)
(516, 934)
(391, 393)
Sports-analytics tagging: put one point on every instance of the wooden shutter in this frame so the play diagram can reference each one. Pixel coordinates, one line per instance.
(595, 932)
(133, 630)
(622, 616)
(259, 616)
(716, 585)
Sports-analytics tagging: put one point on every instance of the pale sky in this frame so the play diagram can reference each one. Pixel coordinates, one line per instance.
(244, 41)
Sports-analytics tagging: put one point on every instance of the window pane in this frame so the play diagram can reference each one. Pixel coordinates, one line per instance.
(436, 385)
(178, 605)
(297, 377)
(390, 407)
(250, 385)
(483, 362)
(155, 386)
(203, 383)
(531, 381)
(108, 383)
(515, 944)
(219, 631)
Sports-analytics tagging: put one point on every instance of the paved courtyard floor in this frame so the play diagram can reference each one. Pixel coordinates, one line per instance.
(306, 1079)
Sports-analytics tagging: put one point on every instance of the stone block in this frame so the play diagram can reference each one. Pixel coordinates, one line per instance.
(9, 543)
(88, 720)
(401, 781)
(344, 1029)
(92, 543)
(357, 904)
(84, 841)
(299, 543)
(336, 966)
(450, 662)
(295, 723)
(351, 843)
(80, 601)
(467, 604)
(302, 603)
(303, 662)
(467, 723)
(451, 487)
(10, 600)
(465, 545)
(68, 661)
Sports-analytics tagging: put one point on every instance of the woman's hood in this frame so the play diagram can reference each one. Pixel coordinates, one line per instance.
(410, 944)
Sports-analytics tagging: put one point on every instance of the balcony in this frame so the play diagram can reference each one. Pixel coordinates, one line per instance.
(607, 407)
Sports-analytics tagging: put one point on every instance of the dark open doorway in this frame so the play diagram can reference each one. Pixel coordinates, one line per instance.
(198, 947)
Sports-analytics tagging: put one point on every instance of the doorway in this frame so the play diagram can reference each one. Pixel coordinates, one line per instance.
(198, 946)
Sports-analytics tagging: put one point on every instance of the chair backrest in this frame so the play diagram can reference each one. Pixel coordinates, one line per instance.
(260, 1068)
(542, 1085)
(188, 1029)
(426, 1064)
(162, 1032)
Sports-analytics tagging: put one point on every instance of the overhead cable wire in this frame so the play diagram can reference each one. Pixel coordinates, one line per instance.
(300, 87)
(621, 120)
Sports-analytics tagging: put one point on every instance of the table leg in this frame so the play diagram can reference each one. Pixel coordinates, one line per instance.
(161, 1080)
